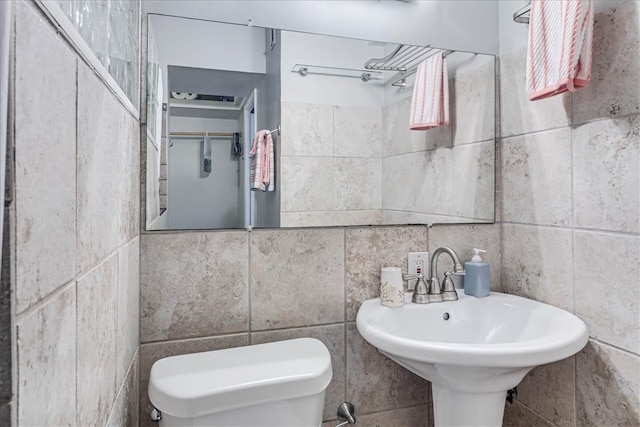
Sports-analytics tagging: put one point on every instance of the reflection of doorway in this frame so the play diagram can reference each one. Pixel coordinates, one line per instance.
(249, 131)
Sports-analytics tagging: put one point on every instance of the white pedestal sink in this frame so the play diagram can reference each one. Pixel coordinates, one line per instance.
(472, 350)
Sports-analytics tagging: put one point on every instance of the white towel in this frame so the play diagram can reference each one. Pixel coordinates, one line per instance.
(262, 176)
(430, 103)
(560, 41)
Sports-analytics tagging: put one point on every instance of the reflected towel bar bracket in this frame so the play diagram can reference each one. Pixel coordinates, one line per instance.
(276, 130)
(521, 16)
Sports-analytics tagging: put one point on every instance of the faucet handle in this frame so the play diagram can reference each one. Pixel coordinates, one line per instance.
(448, 289)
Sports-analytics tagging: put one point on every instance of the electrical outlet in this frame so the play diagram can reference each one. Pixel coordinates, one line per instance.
(417, 261)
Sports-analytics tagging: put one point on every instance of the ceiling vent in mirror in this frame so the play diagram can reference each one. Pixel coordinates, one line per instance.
(184, 95)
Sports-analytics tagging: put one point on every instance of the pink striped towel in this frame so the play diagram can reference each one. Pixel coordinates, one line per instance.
(262, 174)
(430, 103)
(560, 40)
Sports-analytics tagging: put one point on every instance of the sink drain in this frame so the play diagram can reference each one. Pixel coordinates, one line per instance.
(446, 316)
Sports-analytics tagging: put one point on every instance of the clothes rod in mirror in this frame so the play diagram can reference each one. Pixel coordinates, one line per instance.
(365, 75)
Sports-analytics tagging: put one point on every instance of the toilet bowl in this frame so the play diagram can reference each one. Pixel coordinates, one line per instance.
(276, 384)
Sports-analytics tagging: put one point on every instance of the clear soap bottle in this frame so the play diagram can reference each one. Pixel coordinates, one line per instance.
(477, 279)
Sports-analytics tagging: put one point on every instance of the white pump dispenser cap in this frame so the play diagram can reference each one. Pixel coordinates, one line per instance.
(477, 257)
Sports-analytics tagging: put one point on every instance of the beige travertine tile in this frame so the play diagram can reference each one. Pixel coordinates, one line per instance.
(126, 409)
(357, 183)
(397, 135)
(370, 249)
(128, 305)
(376, 383)
(415, 416)
(297, 278)
(108, 171)
(307, 129)
(537, 263)
(518, 415)
(306, 219)
(607, 291)
(473, 181)
(357, 217)
(309, 184)
(613, 90)
(399, 182)
(357, 131)
(549, 390)
(536, 178)
(472, 102)
(46, 363)
(607, 386)
(45, 159)
(462, 239)
(97, 341)
(193, 285)
(150, 353)
(606, 168)
(518, 114)
(152, 184)
(434, 181)
(333, 337)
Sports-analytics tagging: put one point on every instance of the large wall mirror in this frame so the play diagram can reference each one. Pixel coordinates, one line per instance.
(343, 153)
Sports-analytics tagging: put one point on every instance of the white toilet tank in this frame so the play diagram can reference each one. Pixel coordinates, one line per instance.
(276, 384)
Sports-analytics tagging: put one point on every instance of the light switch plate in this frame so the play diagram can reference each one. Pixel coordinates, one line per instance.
(417, 260)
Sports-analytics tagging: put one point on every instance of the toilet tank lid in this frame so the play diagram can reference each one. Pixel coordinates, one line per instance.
(198, 384)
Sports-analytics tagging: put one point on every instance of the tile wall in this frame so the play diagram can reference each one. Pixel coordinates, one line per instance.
(75, 241)
(571, 226)
(331, 162)
(210, 290)
(440, 175)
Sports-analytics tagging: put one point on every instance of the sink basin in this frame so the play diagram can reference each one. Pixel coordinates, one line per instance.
(472, 350)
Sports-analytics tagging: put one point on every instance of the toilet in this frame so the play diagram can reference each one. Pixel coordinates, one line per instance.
(276, 384)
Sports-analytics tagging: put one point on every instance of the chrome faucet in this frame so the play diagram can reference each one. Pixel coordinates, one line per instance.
(430, 291)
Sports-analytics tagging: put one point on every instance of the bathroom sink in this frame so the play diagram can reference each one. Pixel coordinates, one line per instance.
(472, 350)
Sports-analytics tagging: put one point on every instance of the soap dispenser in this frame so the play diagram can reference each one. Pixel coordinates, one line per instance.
(477, 281)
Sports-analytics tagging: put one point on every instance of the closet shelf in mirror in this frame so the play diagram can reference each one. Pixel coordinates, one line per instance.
(365, 75)
(202, 134)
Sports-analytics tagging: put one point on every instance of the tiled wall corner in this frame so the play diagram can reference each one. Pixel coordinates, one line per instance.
(518, 415)
(126, 409)
(297, 278)
(186, 278)
(537, 263)
(45, 159)
(557, 402)
(128, 306)
(375, 383)
(607, 386)
(97, 305)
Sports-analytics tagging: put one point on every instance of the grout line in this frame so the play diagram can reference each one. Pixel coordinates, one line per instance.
(44, 301)
(570, 227)
(613, 346)
(249, 287)
(344, 323)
